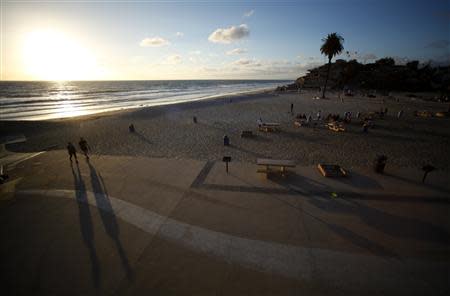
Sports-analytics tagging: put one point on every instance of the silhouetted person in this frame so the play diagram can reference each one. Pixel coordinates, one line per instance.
(292, 108)
(194, 119)
(84, 147)
(366, 127)
(131, 128)
(226, 141)
(72, 152)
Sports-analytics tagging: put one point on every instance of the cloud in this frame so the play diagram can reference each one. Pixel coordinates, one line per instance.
(246, 63)
(369, 57)
(174, 59)
(179, 34)
(249, 13)
(195, 52)
(229, 35)
(236, 51)
(250, 68)
(154, 42)
(401, 60)
(438, 44)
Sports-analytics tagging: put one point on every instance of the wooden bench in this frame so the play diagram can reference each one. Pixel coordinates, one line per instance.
(246, 134)
(269, 166)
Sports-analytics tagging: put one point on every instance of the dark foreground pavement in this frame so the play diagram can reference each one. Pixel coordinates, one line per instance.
(134, 226)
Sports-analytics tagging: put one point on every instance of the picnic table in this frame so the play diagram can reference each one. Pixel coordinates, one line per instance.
(331, 170)
(267, 165)
(335, 126)
(269, 126)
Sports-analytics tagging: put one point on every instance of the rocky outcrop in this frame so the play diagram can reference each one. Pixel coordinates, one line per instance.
(383, 75)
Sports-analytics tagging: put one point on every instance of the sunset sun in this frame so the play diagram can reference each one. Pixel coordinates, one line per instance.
(53, 55)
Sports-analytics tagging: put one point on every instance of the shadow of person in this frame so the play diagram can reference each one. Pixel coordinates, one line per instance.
(86, 227)
(417, 182)
(108, 217)
(404, 227)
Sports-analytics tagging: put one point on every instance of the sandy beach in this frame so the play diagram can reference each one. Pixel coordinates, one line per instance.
(169, 131)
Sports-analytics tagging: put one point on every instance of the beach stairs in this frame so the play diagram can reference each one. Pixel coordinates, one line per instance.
(10, 140)
(8, 159)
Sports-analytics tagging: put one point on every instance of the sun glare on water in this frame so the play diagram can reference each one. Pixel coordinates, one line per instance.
(52, 55)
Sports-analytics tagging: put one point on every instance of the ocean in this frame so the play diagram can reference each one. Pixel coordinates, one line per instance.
(44, 100)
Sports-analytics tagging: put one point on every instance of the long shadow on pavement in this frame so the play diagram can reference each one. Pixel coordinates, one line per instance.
(108, 217)
(418, 182)
(309, 190)
(390, 224)
(86, 228)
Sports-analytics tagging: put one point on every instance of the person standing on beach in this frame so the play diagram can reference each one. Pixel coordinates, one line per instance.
(84, 147)
(72, 152)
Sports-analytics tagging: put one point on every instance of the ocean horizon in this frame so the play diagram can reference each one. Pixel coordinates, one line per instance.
(45, 100)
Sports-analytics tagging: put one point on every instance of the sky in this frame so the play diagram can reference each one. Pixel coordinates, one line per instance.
(145, 40)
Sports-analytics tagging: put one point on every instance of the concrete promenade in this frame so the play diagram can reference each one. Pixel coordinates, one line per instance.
(121, 225)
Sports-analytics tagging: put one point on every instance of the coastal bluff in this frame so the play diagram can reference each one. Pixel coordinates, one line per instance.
(382, 75)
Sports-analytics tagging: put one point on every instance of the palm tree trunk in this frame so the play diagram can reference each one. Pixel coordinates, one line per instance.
(326, 79)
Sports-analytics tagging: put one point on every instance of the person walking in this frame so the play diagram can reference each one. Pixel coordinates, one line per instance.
(72, 152)
(84, 147)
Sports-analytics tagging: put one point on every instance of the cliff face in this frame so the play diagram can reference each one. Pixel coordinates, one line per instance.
(381, 75)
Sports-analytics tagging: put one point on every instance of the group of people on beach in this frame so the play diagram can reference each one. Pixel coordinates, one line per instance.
(346, 118)
(84, 146)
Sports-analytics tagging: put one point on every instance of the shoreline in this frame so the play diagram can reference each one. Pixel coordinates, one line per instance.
(168, 131)
(238, 96)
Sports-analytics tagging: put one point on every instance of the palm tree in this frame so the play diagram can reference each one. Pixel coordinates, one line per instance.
(332, 46)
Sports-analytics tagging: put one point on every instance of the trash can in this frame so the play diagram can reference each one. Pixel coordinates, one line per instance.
(226, 140)
(380, 163)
